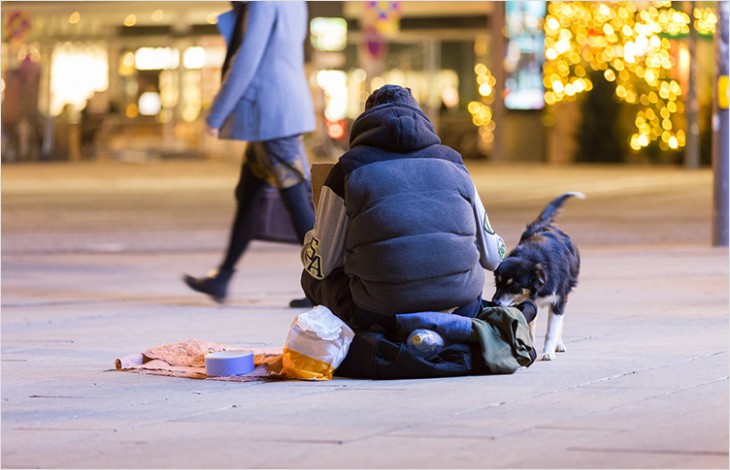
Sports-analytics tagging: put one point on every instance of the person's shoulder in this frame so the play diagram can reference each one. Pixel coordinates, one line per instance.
(447, 153)
(360, 155)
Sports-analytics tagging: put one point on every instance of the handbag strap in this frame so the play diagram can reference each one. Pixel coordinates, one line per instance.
(291, 167)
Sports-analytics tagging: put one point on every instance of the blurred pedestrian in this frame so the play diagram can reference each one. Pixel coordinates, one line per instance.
(264, 99)
(20, 117)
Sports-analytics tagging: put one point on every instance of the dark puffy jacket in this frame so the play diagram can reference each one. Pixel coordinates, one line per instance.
(411, 238)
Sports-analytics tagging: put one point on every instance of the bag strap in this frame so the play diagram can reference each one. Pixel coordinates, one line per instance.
(290, 166)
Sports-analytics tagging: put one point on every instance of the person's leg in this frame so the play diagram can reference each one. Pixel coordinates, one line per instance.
(333, 292)
(298, 201)
(289, 166)
(287, 161)
(249, 192)
(471, 309)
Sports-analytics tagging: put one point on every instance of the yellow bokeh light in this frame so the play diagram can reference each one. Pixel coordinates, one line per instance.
(631, 45)
(131, 111)
(635, 142)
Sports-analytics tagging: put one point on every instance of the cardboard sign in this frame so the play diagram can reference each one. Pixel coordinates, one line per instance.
(320, 171)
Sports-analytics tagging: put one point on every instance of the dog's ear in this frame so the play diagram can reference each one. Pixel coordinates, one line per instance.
(540, 276)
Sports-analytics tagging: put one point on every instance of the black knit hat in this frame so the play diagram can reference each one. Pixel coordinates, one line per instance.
(391, 94)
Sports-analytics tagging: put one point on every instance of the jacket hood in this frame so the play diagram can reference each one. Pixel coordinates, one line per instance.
(393, 126)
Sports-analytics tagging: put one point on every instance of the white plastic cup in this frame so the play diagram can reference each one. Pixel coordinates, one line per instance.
(227, 363)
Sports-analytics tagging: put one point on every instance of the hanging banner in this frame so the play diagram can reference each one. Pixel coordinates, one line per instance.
(379, 20)
(384, 17)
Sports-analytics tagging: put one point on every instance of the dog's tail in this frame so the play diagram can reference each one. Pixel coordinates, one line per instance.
(548, 214)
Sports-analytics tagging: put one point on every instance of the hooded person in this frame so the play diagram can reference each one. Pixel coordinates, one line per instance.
(399, 227)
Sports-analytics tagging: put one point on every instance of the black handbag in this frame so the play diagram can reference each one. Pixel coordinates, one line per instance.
(274, 224)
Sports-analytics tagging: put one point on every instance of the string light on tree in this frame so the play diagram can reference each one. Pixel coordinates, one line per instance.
(705, 21)
(631, 46)
(481, 111)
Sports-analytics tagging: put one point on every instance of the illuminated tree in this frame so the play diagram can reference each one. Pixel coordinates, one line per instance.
(481, 111)
(631, 47)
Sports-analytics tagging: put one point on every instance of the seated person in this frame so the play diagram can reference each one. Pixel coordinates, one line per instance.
(399, 225)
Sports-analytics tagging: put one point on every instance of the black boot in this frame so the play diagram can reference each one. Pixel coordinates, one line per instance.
(215, 284)
(300, 303)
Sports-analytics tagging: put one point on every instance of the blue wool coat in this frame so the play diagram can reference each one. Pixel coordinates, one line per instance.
(265, 94)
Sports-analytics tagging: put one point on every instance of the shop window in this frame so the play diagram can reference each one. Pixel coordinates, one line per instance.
(77, 71)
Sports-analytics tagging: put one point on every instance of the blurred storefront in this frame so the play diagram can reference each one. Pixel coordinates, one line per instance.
(500, 80)
(133, 79)
(121, 79)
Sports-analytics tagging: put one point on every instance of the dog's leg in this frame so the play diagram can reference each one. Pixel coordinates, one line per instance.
(533, 328)
(559, 311)
(560, 346)
(554, 335)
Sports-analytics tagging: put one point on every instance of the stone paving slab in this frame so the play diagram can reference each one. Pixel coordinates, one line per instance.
(644, 383)
(188, 205)
(640, 387)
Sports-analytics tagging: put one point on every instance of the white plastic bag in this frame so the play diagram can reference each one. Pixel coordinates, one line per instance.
(316, 345)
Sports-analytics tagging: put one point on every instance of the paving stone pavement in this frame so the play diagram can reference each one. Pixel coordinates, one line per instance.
(92, 255)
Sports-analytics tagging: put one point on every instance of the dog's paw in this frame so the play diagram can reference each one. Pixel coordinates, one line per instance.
(547, 356)
(560, 347)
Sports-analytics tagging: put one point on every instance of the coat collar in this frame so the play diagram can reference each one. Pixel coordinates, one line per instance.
(226, 24)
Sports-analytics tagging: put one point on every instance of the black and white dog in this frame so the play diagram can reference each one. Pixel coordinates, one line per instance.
(543, 267)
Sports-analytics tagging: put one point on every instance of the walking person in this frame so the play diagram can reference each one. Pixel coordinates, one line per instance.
(264, 99)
